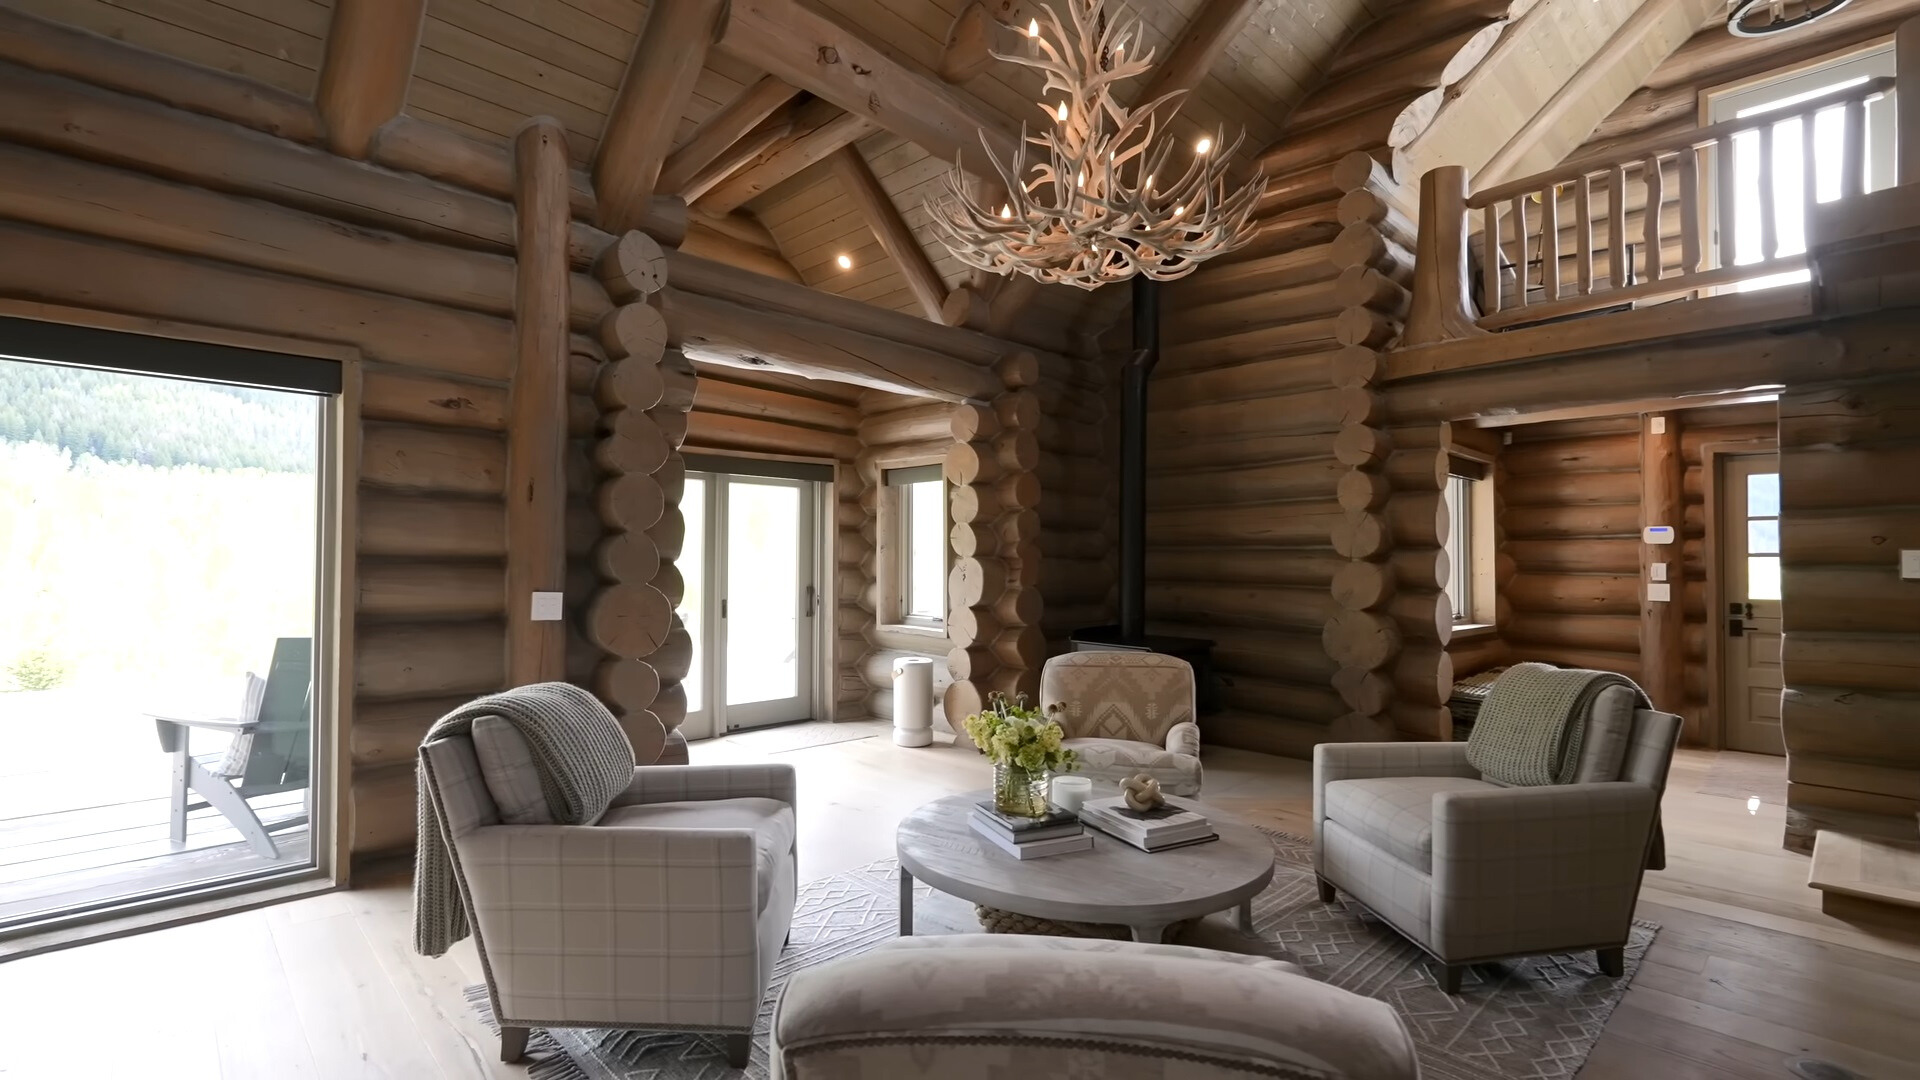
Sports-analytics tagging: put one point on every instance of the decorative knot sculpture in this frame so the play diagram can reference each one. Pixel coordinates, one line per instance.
(1142, 792)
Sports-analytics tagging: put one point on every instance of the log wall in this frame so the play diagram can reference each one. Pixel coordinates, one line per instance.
(1273, 525)
(1849, 504)
(895, 432)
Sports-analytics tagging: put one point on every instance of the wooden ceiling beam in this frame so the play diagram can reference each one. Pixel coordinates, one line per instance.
(722, 131)
(667, 58)
(820, 128)
(773, 132)
(737, 240)
(366, 69)
(1201, 45)
(815, 53)
(898, 241)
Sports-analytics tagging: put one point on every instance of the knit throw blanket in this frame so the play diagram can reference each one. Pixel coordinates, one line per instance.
(583, 758)
(1530, 730)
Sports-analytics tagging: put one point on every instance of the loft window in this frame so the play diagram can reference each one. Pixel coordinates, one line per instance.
(1469, 587)
(915, 578)
(1791, 148)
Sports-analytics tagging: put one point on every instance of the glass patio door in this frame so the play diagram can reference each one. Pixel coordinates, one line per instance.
(750, 601)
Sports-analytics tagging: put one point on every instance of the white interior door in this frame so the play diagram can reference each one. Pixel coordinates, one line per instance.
(1749, 532)
(751, 601)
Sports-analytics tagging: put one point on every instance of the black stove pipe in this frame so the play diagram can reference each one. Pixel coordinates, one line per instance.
(1133, 459)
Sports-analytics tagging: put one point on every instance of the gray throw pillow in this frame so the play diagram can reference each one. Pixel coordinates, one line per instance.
(1609, 729)
(507, 765)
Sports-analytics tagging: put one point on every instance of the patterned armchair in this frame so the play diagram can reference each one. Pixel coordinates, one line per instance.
(1127, 713)
(666, 914)
(1472, 871)
(938, 1008)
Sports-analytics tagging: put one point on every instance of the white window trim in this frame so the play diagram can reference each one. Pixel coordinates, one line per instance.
(893, 561)
(1472, 577)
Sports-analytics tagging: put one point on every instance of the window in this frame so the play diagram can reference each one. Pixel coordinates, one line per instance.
(1469, 586)
(1790, 152)
(916, 577)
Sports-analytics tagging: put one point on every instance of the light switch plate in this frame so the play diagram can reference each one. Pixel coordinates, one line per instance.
(1658, 425)
(1659, 593)
(547, 606)
(1910, 565)
(1657, 572)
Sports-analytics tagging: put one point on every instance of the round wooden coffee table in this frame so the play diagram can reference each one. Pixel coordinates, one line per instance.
(1113, 883)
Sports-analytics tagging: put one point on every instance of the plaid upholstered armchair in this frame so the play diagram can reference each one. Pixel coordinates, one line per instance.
(665, 914)
(1126, 713)
(1472, 871)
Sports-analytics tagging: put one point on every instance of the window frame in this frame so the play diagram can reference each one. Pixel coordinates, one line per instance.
(895, 565)
(1470, 542)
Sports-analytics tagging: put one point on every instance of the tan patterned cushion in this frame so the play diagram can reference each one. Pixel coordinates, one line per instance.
(1118, 695)
(1109, 761)
(1395, 814)
(770, 821)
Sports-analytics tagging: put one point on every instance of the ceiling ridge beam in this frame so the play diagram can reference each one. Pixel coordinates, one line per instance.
(820, 128)
(722, 131)
(898, 241)
(1200, 46)
(371, 45)
(667, 59)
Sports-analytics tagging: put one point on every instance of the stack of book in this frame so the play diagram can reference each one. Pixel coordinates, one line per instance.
(1167, 826)
(1030, 838)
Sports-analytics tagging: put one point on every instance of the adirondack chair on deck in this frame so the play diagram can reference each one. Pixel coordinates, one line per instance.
(270, 752)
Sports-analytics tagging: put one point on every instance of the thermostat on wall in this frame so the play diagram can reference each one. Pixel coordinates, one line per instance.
(1657, 534)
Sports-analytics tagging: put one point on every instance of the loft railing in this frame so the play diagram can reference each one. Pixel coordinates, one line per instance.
(1570, 240)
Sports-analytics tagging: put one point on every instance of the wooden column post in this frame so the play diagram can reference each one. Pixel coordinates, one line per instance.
(1906, 74)
(537, 414)
(368, 63)
(1663, 625)
(1442, 308)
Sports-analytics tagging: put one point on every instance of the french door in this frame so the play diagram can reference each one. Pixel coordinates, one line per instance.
(1749, 528)
(751, 600)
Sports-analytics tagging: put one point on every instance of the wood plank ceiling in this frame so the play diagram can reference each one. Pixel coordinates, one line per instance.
(485, 66)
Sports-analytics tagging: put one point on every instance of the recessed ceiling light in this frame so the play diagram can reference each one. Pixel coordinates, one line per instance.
(845, 261)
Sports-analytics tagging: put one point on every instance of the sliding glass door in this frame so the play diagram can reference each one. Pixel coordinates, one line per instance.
(749, 561)
(161, 579)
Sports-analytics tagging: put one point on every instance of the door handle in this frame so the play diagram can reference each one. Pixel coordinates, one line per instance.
(812, 600)
(1736, 628)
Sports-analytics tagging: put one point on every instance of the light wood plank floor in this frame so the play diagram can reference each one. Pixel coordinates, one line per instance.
(1746, 977)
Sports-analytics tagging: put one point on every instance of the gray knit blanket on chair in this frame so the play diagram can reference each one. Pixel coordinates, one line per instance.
(1530, 730)
(583, 758)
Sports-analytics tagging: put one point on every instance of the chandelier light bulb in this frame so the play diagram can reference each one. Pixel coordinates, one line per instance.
(1033, 28)
(845, 261)
(1006, 212)
(1205, 144)
(1062, 113)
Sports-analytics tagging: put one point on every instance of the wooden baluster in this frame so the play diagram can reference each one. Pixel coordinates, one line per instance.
(1650, 224)
(1768, 226)
(1520, 247)
(1490, 258)
(1853, 137)
(1690, 211)
(1550, 242)
(1617, 225)
(1723, 198)
(1583, 234)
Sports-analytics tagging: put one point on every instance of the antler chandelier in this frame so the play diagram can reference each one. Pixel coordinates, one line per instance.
(1102, 204)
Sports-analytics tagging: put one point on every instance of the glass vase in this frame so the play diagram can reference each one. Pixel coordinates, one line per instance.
(1018, 792)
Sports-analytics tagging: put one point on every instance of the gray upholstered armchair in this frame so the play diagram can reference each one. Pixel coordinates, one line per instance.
(666, 914)
(1126, 713)
(1474, 872)
(966, 1006)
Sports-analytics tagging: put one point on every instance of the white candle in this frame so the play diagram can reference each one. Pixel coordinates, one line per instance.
(1071, 792)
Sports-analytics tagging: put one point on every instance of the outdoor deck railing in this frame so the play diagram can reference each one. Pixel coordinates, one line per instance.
(1654, 219)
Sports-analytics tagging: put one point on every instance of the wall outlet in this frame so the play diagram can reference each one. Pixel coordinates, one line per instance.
(1910, 565)
(1659, 593)
(547, 606)
(1657, 572)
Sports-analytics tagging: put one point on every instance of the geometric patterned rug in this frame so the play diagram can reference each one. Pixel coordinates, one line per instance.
(1532, 1019)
